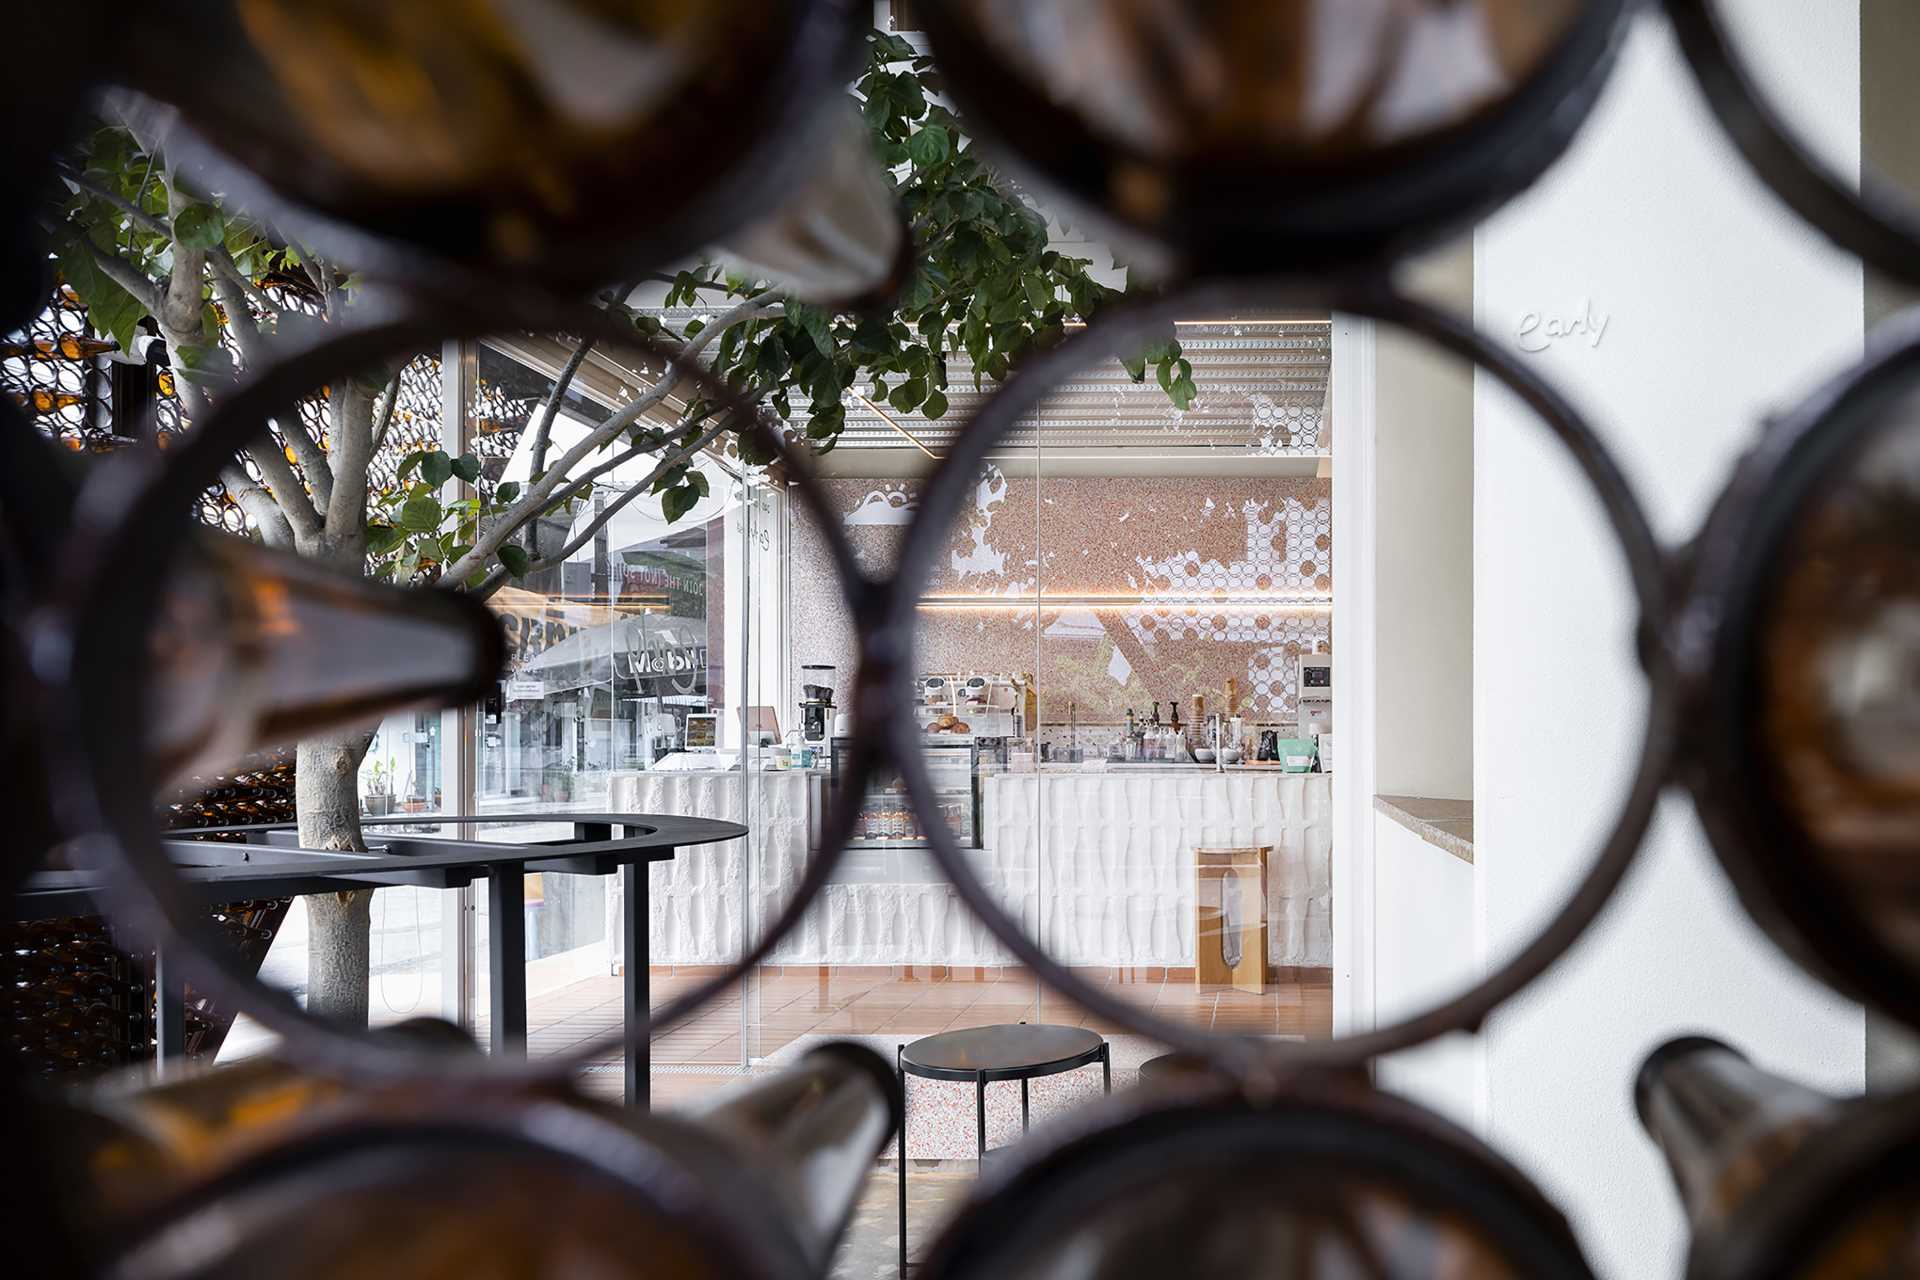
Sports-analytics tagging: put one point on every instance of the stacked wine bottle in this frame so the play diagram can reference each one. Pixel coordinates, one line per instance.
(74, 1001)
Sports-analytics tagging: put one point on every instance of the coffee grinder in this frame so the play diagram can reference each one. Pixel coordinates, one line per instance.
(816, 703)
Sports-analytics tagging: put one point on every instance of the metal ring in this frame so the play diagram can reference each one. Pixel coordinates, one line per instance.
(666, 1178)
(1884, 233)
(1761, 845)
(1248, 211)
(782, 119)
(89, 651)
(1326, 1128)
(1127, 329)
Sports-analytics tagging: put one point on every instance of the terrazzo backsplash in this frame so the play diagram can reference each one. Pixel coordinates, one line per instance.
(1168, 587)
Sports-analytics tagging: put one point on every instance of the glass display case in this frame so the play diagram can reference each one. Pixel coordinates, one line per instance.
(887, 818)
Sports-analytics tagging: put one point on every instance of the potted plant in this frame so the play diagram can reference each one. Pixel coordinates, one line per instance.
(380, 790)
(415, 802)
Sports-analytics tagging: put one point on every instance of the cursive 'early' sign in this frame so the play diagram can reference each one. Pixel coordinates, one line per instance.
(1539, 330)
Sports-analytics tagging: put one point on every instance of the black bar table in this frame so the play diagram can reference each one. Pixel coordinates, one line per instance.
(270, 864)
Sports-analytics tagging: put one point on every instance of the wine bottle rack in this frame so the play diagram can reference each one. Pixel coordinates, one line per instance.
(73, 1001)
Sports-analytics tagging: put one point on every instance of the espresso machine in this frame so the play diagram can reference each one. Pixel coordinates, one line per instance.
(816, 703)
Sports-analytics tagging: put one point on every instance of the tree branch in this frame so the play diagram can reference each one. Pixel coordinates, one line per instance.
(543, 429)
(123, 273)
(221, 259)
(386, 412)
(353, 433)
(286, 489)
(224, 264)
(141, 218)
(539, 495)
(551, 408)
(499, 576)
(259, 506)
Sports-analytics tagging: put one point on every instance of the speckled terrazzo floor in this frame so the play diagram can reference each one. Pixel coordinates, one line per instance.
(871, 1248)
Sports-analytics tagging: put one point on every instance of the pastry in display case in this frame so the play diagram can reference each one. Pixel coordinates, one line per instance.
(887, 818)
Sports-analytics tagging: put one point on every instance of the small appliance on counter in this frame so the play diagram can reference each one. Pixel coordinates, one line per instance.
(1315, 687)
(816, 703)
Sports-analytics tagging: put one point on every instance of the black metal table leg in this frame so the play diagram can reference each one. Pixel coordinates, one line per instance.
(1025, 1113)
(980, 1112)
(898, 1053)
(1106, 1066)
(636, 984)
(507, 957)
(169, 1013)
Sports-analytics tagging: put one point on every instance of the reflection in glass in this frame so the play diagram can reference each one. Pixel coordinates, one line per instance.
(1841, 653)
(1310, 79)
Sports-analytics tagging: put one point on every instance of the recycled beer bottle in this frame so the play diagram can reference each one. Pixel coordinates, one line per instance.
(254, 647)
(1779, 1179)
(757, 1185)
(1330, 1180)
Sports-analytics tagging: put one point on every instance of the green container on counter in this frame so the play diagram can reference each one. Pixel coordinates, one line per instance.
(1296, 755)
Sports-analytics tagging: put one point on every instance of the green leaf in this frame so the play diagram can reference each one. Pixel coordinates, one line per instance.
(935, 405)
(436, 469)
(827, 423)
(813, 322)
(199, 226)
(407, 465)
(1039, 290)
(515, 559)
(203, 366)
(907, 396)
(770, 362)
(112, 310)
(676, 502)
(507, 493)
(421, 515)
(929, 146)
(467, 467)
(383, 538)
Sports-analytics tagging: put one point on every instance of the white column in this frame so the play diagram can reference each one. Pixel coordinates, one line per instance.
(1721, 306)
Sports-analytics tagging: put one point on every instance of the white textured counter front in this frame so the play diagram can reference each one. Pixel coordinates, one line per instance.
(698, 902)
(1102, 863)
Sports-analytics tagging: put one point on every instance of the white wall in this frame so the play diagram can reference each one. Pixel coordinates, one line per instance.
(1721, 306)
(1423, 582)
(1423, 955)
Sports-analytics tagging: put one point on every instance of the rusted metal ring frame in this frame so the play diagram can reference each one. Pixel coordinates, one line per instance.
(327, 1158)
(1145, 1135)
(89, 652)
(1242, 211)
(1128, 329)
(1884, 233)
(800, 93)
(1761, 845)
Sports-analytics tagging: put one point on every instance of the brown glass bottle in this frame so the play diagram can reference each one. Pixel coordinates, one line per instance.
(1330, 1179)
(254, 647)
(758, 1185)
(1779, 1179)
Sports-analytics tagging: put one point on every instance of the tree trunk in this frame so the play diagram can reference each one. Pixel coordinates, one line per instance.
(339, 925)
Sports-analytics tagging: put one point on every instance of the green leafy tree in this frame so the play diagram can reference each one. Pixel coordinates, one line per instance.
(138, 243)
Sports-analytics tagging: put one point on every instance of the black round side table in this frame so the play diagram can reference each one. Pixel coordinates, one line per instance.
(1010, 1051)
